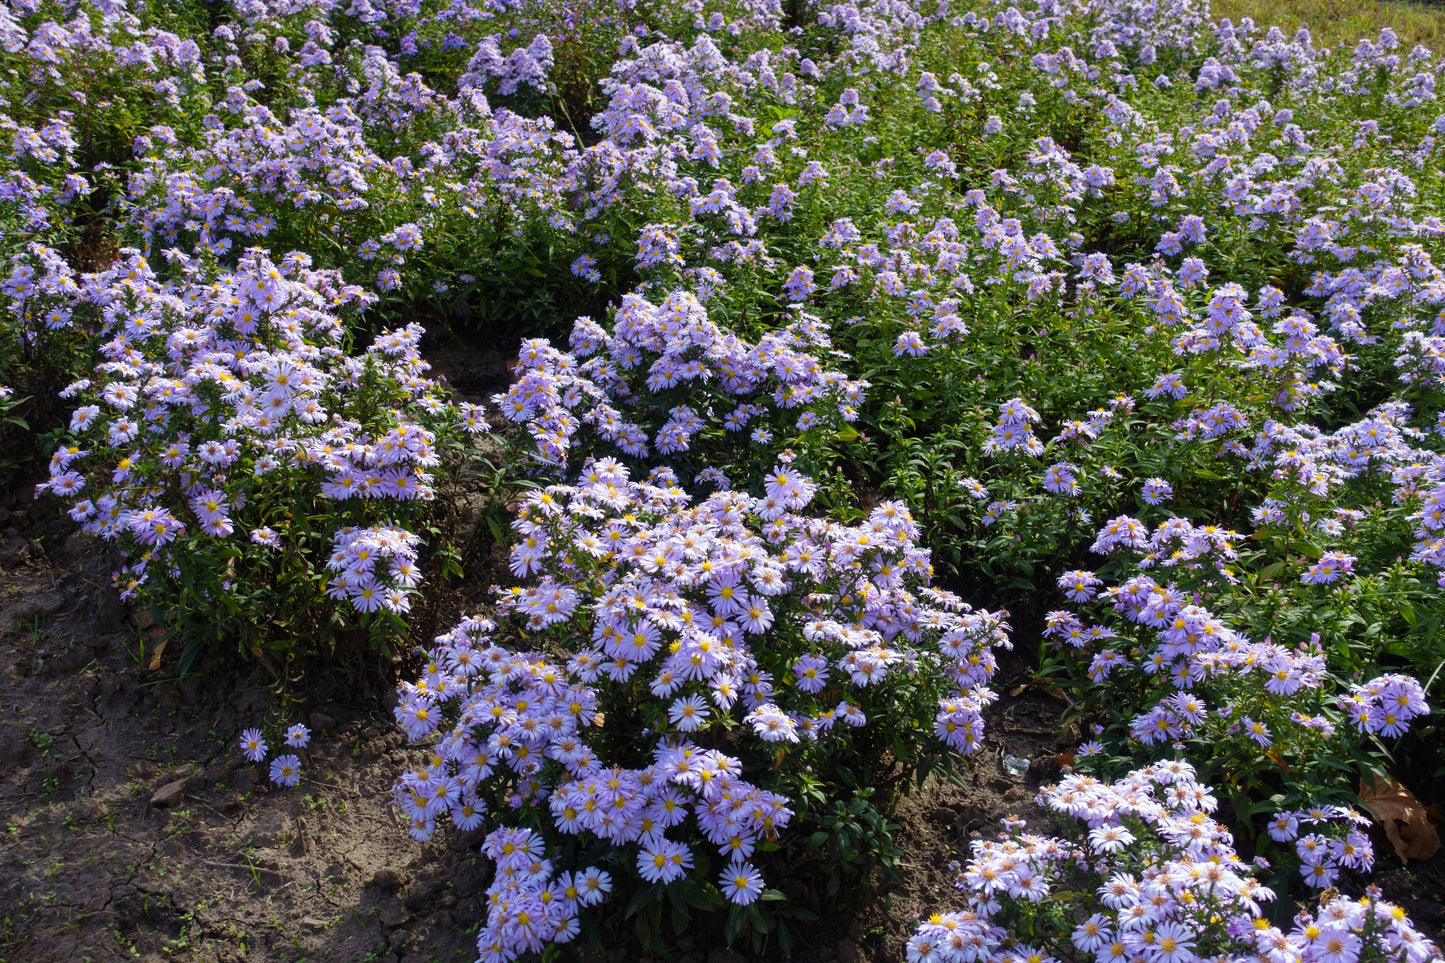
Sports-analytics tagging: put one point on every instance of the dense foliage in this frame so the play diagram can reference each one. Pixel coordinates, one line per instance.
(846, 329)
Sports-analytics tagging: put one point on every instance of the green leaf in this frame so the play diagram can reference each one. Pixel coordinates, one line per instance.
(1264, 806)
(644, 897)
(188, 655)
(681, 918)
(704, 897)
(733, 925)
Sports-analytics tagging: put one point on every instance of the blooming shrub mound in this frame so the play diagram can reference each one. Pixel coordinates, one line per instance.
(681, 646)
(589, 397)
(229, 439)
(1215, 687)
(1154, 875)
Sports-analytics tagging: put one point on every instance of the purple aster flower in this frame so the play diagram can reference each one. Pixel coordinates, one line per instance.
(1329, 568)
(286, 770)
(1157, 490)
(253, 747)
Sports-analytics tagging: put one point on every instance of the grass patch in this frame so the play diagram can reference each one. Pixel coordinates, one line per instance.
(1336, 22)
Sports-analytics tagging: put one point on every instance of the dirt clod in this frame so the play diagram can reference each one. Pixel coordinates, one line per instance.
(394, 914)
(90, 810)
(244, 780)
(389, 879)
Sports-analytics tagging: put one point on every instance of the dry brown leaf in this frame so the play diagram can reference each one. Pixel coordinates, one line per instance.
(155, 663)
(1403, 817)
(1278, 760)
(152, 630)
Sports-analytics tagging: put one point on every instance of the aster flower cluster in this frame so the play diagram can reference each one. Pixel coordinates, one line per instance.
(1212, 678)
(285, 769)
(39, 293)
(1386, 705)
(248, 178)
(224, 406)
(69, 62)
(1326, 839)
(374, 568)
(608, 392)
(921, 264)
(1152, 876)
(736, 611)
(531, 906)
(1014, 429)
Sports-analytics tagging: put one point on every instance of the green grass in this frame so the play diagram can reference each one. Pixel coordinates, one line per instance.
(1336, 22)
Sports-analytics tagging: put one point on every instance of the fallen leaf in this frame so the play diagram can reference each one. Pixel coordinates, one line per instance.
(1278, 760)
(1403, 818)
(155, 662)
(170, 793)
(152, 630)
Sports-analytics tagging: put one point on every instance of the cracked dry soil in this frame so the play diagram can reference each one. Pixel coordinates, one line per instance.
(133, 829)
